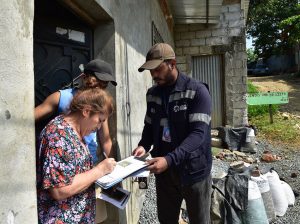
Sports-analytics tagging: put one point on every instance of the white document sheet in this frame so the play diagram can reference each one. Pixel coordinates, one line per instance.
(123, 169)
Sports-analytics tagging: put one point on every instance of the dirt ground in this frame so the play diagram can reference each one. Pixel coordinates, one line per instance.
(281, 83)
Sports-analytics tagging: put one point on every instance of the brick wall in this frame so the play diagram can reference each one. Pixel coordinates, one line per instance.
(228, 39)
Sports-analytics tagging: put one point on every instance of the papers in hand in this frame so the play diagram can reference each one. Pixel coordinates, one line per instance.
(116, 196)
(123, 169)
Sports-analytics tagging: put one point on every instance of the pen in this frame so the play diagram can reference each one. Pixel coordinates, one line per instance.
(105, 155)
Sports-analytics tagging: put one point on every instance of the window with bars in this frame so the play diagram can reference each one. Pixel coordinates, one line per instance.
(156, 37)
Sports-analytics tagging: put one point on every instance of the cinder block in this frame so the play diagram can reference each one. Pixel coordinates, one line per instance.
(191, 50)
(205, 50)
(219, 32)
(181, 28)
(197, 42)
(242, 72)
(237, 23)
(182, 43)
(187, 35)
(196, 27)
(181, 59)
(203, 33)
(182, 67)
(225, 40)
(234, 8)
(234, 32)
(213, 41)
(238, 63)
(225, 9)
(178, 51)
(237, 79)
(232, 16)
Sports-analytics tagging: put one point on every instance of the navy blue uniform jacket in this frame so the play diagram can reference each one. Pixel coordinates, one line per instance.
(189, 119)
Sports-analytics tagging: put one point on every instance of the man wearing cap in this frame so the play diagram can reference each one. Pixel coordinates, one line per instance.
(97, 74)
(177, 125)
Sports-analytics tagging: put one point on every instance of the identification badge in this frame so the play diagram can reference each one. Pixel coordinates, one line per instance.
(166, 136)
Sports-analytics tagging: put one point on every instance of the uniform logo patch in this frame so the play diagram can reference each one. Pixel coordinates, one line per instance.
(179, 108)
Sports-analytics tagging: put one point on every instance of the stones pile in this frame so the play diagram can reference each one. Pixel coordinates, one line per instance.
(288, 168)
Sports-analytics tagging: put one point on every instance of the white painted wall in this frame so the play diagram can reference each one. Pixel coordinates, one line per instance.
(17, 145)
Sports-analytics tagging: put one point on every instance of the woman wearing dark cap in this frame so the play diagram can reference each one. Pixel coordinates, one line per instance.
(97, 74)
(66, 193)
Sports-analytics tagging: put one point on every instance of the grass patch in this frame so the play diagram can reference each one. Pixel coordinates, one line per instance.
(281, 131)
(215, 151)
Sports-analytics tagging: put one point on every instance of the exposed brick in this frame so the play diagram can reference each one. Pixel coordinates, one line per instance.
(239, 104)
(243, 14)
(225, 9)
(232, 16)
(197, 42)
(219, 32)
(182, 43)
(191, 50)
(181, 67)
(234, 8)
(238, 63)
(203, 33)
(181, 27)
(245, 79)
(237, 79)
(180, 59)
(241, 55)
(236, 23)
(205, 50)
(178, 51)
(239, 88)
(237, 98)
(225, 40)
(240, 72)
(213, 41)
(196, 27)
(187, 35)
(234, 31)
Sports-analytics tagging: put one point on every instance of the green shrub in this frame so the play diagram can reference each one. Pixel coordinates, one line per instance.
(256, 110)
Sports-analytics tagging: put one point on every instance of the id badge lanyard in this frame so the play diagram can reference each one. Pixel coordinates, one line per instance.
(166, 134)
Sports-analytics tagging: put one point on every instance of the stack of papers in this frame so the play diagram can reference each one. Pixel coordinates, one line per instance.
(116, 196)
(123, 169)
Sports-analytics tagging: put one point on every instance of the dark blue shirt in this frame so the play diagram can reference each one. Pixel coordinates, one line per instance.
(188, 114)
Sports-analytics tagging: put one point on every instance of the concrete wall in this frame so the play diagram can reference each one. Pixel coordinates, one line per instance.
(228, 39)
(17, 145)
(132, 21)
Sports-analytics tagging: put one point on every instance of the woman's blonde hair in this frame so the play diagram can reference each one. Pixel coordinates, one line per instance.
(97, 99)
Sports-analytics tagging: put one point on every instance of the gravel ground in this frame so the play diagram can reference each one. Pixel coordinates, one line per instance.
(285, 167)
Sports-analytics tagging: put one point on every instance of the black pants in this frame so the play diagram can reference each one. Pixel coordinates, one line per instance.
(170, 194)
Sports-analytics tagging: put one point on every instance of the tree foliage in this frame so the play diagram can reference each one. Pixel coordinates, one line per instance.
(251, 56)
(291, 27)
(264, 25)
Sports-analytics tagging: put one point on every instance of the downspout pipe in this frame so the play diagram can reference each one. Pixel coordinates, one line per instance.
(207, 12)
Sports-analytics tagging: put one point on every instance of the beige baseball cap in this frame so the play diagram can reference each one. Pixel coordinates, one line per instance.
(156, 55)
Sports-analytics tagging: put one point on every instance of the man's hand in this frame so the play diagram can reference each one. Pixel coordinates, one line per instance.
(157, 165)
(139, 151)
